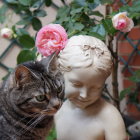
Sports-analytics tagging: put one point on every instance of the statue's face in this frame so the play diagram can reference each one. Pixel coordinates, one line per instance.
(83, 86)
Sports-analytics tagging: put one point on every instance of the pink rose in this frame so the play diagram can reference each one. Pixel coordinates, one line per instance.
(122, 22)
(51, 38)
(6, 33)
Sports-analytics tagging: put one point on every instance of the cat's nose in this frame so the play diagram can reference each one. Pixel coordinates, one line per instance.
(56, 104)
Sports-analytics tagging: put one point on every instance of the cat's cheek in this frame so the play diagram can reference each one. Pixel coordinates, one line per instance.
(29, 109)
(32, 110)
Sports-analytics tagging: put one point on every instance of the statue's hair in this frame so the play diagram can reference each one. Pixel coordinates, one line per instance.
(85, 51)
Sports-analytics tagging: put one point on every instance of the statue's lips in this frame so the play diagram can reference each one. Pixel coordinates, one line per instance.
(80, 99)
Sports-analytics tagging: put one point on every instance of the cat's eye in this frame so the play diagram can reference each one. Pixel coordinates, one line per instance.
(59, 89)
(40, 98)
(60, 92)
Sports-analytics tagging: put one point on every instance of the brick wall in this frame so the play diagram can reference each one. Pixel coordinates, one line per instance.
(125, 49)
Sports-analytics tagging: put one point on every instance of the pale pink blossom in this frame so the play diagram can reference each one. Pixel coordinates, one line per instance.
(51, 38)
(122, 22)
(6, 33)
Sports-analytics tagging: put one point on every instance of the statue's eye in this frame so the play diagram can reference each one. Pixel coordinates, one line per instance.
(40, 98)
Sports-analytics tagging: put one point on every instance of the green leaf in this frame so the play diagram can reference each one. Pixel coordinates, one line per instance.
(96, 13)
(36, 4)
(98, 31)
(25, 55)
(12, 1)
(107, 1)
(96, 35)
(75, 11)
(25, 2)
(63, 12)
(124, 92)
(26, 41)
(48, 2)
(24, 21)
(36, 23)
(134, 15)
(40, 13)
(78, 26)
(90, 1)
(93, 5)
(3, 10)
(21, 31)
(136, 77)
(52, 135)
(107, 23)
(81, 3)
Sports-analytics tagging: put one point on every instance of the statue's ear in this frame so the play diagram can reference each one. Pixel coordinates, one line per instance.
(50, 63)
(22, 75)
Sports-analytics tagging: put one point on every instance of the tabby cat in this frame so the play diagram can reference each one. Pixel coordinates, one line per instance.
(28, 100)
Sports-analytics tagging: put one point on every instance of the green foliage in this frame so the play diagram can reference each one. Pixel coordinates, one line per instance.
(98, 31)
(124, 92)
(107, 23)
(136, 77)
(79, 18)
(48, 2)
(26, 41)
(36, 23)
(25, 2)
(133, 91)
(52, 135)
(40, 13)
(26, 55)
(3, 10)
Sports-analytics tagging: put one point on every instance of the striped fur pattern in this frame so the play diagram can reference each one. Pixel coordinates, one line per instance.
(28, 100)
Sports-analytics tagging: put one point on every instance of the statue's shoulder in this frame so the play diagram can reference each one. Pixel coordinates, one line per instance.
(111, 115)
(113, 122)
(110, 109)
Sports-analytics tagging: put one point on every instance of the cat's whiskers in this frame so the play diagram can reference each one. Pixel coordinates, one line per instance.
(23, 119)
(40, 118)
(28, 128)
(19, 133)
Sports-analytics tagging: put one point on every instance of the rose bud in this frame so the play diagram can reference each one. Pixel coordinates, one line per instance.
(6, 33)
(122, 23)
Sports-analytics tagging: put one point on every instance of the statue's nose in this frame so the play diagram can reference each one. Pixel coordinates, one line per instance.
(83, 93)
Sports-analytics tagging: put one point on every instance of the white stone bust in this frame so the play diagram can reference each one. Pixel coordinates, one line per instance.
(86, 63)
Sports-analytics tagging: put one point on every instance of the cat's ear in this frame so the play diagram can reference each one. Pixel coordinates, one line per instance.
(50, 63)
(22, 75)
